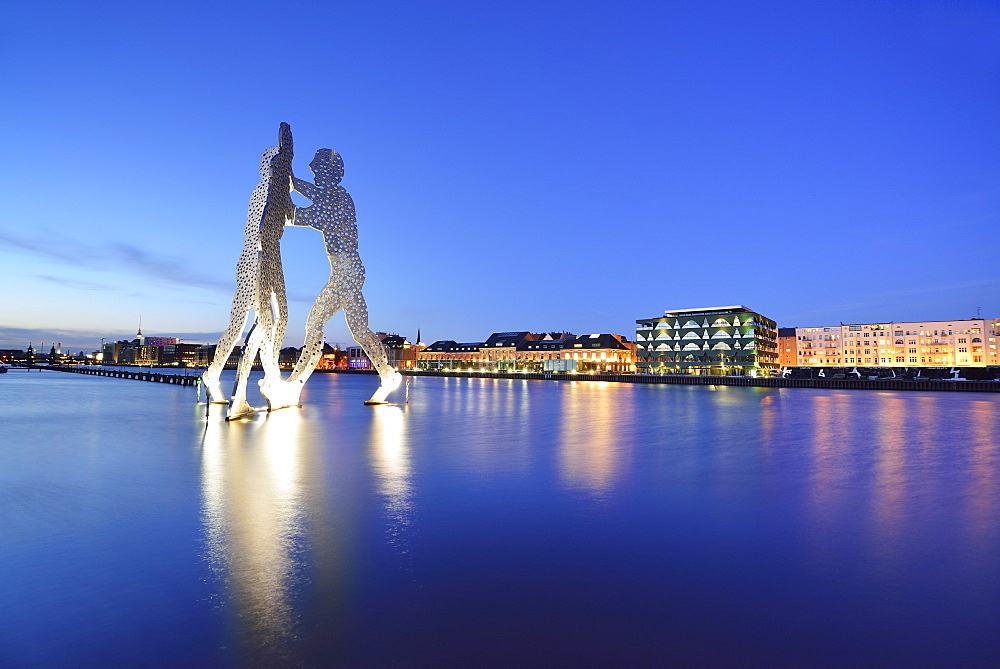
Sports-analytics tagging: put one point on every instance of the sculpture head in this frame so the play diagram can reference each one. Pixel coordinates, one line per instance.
(328, 167)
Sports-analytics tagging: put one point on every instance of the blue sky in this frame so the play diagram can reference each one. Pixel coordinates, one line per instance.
(515, 166)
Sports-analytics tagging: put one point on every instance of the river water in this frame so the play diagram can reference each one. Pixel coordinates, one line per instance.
(499, 522)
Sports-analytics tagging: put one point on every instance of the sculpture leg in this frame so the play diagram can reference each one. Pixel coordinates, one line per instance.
(356, 314)
(284, 393)
(239, 406)
(272, 339)
(238, 317)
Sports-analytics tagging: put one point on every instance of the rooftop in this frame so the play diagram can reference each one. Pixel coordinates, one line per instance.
(737, 308)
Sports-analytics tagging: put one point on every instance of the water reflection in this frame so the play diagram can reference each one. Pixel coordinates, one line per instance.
(390, 462)
(595, 428)
(891, 446)
(251, 487)
(983, 509)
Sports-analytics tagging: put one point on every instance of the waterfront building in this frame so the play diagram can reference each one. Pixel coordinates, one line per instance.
(449, 354)
(957, 343)
(145, 350)
(787, 347)
(500, 352)
(146, 354)
(545, 354)
(180, 355)
(287, 357)
(819, 347)
(401, 354)
(111, 351)
(358, 359)
(206, 354)
(719, 341)
(599, 353)
(332, 357)
(533, 352)
(160, 341)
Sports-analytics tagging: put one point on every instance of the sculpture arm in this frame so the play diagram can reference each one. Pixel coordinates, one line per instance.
(306, 189)
(303, 217)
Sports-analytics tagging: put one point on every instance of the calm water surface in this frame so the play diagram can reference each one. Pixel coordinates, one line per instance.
(498, 522)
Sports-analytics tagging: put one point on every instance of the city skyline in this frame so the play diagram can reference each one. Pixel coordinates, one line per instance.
(572, 172)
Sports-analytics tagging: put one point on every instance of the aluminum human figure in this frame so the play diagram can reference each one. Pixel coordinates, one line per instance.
(332, 213)
(260, 280)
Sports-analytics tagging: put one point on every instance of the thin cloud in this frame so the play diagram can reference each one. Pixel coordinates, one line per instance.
(75, 283)
(128, 258)
(46, 249)
(124, 257)
(140, 261)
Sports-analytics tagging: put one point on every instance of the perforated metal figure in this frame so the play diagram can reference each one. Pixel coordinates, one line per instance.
(260, 280)
(332, 213)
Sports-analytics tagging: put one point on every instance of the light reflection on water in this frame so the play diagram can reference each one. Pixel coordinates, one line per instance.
(984, 486)
(595, 435)
(252, 488)
(390, 462)
(892, 493)
(513, 521)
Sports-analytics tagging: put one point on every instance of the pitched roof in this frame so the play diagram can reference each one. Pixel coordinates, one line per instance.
(507, 339)
(596, 341)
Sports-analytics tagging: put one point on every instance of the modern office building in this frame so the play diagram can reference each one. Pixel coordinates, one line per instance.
(180, 355)
(719, 341)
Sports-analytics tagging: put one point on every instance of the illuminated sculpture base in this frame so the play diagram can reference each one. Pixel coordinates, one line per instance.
(240, 410)
(213, 389)
(281, 394)
(387, 387)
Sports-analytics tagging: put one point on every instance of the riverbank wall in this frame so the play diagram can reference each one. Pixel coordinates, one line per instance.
(936, 385)
(743, 381)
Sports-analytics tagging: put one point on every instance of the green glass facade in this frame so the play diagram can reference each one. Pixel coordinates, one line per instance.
(720, 341)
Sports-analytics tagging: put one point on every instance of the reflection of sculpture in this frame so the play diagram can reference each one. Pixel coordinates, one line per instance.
(261, 282)
(252, 527)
